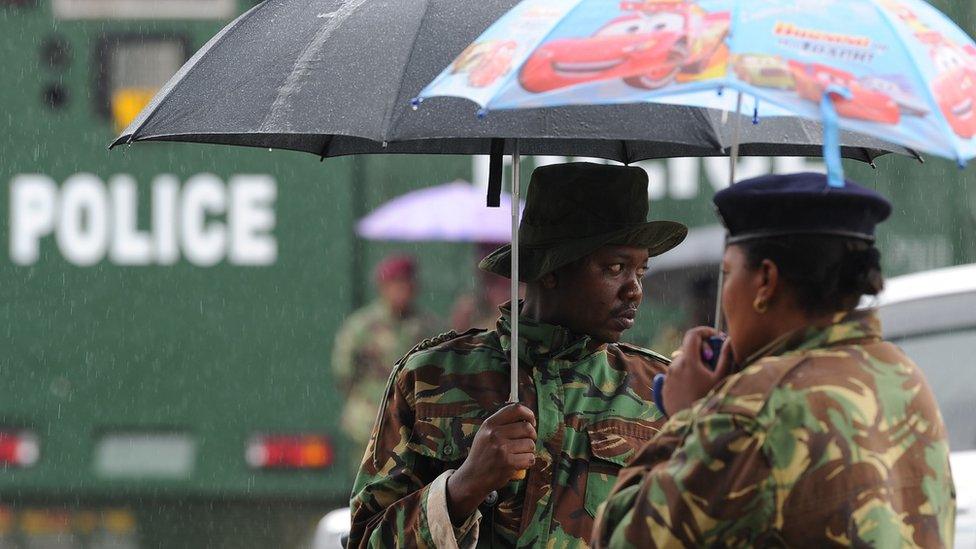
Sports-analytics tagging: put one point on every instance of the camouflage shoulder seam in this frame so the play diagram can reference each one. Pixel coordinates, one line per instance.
(646, 352)
(435, 341)
(397, 367)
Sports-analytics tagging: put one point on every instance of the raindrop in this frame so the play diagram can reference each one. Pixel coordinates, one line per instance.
(415, 103)
(269, 149)
(755, 113)
(482, 114)
(720, 91)
(61, 387)
(962, 163)
(385, 144)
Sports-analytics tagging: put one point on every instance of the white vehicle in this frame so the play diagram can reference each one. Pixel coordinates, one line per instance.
(332, 530)
(932, 316)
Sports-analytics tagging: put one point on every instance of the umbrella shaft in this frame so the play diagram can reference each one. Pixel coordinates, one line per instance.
(516, 191)
(733, 160)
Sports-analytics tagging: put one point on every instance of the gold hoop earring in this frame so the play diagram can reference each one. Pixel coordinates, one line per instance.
(760, 305)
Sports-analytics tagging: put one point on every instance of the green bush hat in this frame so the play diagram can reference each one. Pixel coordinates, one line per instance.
(572, 210)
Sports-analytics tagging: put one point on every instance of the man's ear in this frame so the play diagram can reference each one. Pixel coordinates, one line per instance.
(769, 283)
(549, 281)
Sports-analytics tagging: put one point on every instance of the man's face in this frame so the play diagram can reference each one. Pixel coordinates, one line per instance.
(599, 294)
(398, 293)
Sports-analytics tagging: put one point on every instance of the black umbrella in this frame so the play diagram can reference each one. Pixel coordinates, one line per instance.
(336, 77)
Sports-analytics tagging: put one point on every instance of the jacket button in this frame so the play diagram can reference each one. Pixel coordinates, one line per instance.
(492, 498)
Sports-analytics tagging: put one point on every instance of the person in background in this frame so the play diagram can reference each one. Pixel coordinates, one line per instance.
(479, 309)
(698, 306)
(812, 431)
(371, 340)
(441, 468)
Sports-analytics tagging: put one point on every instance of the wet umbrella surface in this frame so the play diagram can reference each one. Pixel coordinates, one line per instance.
(336, 77)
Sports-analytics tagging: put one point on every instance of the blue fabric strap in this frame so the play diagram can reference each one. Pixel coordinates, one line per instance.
(831, 128)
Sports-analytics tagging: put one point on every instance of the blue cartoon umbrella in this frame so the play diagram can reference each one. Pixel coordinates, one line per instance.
(899, 69)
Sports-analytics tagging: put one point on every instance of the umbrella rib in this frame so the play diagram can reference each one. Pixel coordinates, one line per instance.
(166, 91)
(391, 107)
(326, 145)
(716, 136)
(280, 108)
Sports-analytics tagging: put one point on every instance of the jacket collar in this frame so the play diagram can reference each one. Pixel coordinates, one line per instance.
(539, 340)
(860, 326)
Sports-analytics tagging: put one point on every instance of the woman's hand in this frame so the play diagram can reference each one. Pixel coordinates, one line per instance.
(689, 379)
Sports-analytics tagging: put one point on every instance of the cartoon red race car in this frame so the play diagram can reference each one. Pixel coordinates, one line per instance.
(899, 91)
(970, 50)
(485, 62)
(813, 79)
(648, 49)
(954, 85)
(955, 90)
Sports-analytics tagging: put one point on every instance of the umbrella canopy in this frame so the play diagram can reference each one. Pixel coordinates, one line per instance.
(336, 77)
(893, 68)
(452, 212)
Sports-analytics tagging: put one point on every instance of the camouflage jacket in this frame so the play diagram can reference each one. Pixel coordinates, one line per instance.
(594, 410)
(366, 347)
(829, 437)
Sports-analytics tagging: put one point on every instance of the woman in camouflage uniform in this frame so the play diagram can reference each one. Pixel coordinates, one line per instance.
(821, 434)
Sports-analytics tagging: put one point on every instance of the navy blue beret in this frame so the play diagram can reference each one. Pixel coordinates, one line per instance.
(800, 203)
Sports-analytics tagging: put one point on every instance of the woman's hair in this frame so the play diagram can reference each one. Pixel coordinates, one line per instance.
(825, 273)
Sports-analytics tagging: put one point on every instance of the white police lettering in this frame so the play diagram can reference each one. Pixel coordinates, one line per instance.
(204, 222)
(251, 220)
(683, 178)
(82, 232)
(717, 170)
(32, 215)
(204, 243)
(130, 246)
(165, 197)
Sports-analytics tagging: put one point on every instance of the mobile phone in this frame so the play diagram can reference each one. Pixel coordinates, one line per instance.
(711, 350)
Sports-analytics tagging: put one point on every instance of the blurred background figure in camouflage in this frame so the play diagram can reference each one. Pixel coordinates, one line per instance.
(370, 342)
(812, 431)
(479, 308)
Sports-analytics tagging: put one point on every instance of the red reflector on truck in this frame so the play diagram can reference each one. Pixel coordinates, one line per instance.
(18, 448)
(289, 452)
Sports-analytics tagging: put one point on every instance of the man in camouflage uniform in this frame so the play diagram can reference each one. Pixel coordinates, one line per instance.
(827, 436)
(370, 341)
(439, 470)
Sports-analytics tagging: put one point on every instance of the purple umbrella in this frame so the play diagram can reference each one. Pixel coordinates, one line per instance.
(452, 212)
